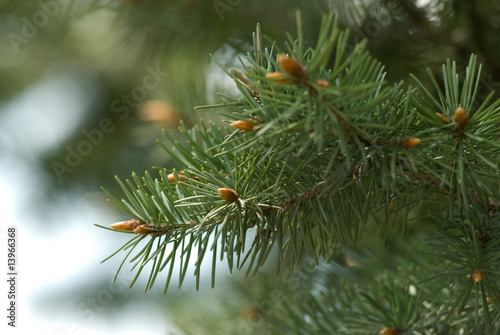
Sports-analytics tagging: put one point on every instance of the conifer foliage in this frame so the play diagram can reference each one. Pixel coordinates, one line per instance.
(320, 154)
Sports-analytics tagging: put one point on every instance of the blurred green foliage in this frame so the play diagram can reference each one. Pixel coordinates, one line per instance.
(114, 42)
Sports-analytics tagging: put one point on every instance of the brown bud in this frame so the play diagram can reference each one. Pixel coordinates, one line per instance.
(410, 142)
(142, 231)
(249, 124)
(322, 82)
(390, 331)
(292, 67)
(159, 112)
(241, 77)
(126, 225)
(352, 262)
(460, 117)
(252, 313)
(171, 177)
(278, 77)
(246, 82)
(477, 275)
(443, 118)
(228, 194)
(495, 299)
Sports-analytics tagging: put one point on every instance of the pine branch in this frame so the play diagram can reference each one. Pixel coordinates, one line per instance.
(314, 160)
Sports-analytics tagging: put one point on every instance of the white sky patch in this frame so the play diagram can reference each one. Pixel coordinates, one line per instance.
(45, 113)
(217, 80)
(63, 251)
(421, 3)
(62, 258)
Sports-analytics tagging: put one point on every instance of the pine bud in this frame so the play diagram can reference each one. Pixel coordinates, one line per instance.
(390, 331)
(159, 112)
(410, 142)
(477, 275)
(171, 177)
(249, 124)
(241, 77)
(443, 118)
(495, 299)
(292, 67)
(322, 82)
(278, 77)
(460, 117)
(228, 194)
(142, 231)
(126, 225)
(352, 262)
(252, 313)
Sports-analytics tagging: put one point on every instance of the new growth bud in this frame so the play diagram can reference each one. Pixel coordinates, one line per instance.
(241, 77)
(322, 82)
(248, 125)
(142, 231)
(477, 275)
(443, 118)
(126, 225)
(278, 77)
(228, 194)
(292, 67)
(171, 177)
(410, 142)
(495, 299)
(390, 331)
(461, 118)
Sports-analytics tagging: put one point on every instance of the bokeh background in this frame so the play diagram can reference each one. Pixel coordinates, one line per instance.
(86, 88)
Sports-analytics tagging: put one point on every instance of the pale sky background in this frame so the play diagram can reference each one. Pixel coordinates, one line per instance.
(51, 261)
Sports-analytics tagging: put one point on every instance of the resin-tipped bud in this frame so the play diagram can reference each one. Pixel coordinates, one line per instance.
(461, 118)
(477, 275)
(495, 299)
(292, 67)
(278, 77)
(241, 77)
(443, 118)
(228, 194)
(171, 177)
(322, 82)
(390, 331)
(252, 313)
(248, 125)
(410, 142)
(126, 225)
(141, 231)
